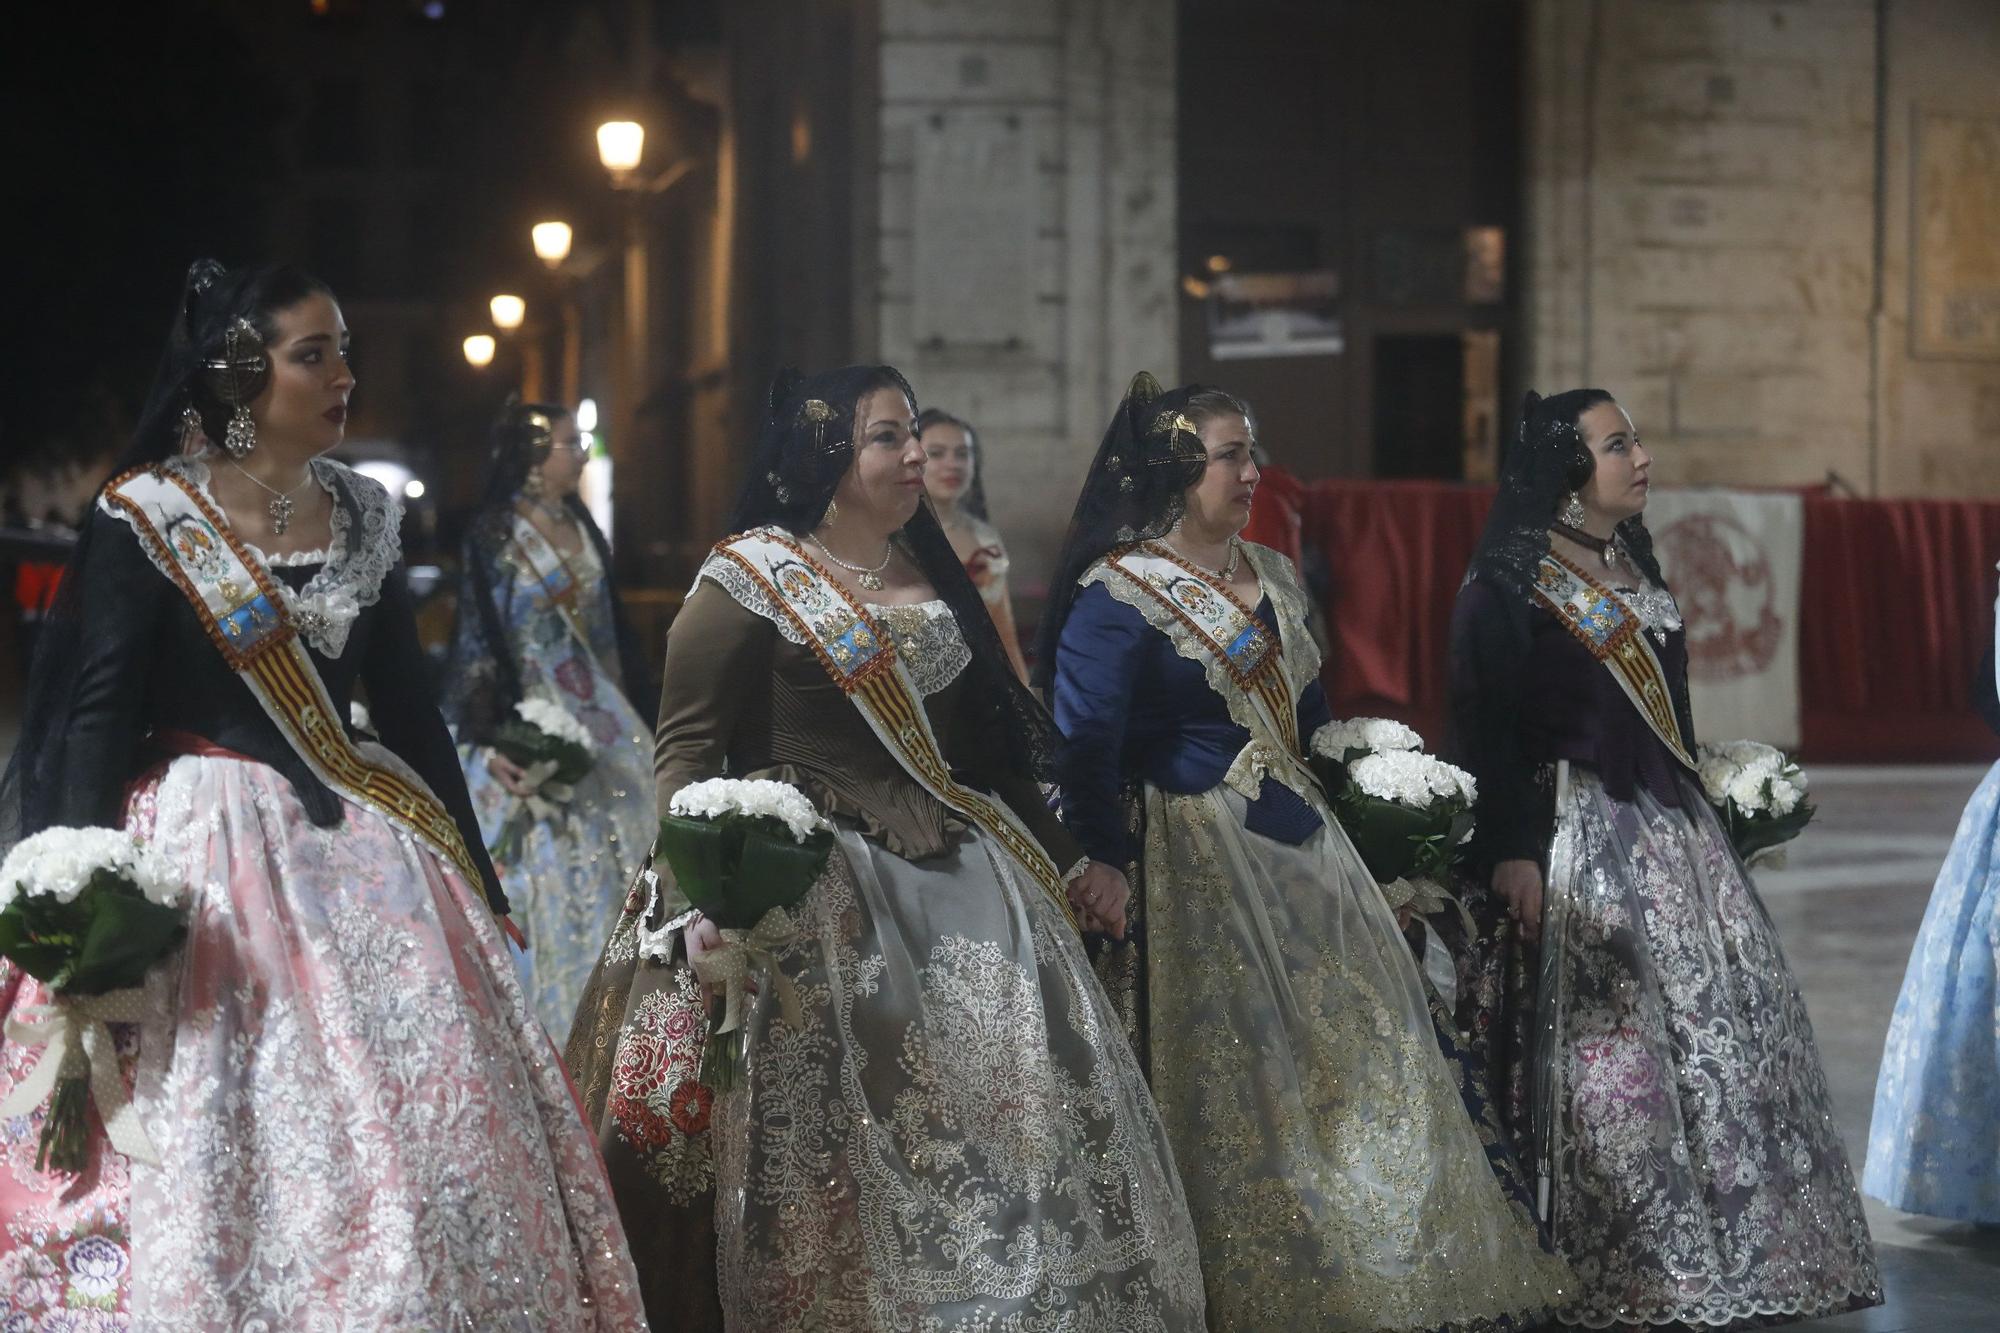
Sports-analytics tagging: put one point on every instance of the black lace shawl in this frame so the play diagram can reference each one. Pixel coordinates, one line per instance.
(1136, 490)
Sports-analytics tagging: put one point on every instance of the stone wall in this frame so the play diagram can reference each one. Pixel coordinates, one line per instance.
(1024, 241)
(1720, 204)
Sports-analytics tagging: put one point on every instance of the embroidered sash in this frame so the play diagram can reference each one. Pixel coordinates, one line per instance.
(861, 658)
(190, 542)
(1207, 622)
(1615, 635)
(553, 577)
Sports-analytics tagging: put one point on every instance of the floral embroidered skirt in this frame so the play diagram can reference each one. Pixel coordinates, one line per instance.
(360, 1125)
(1934, 1144)
(567, 882)
(1663, 1080)
(1336, 1178)
(957, 1138)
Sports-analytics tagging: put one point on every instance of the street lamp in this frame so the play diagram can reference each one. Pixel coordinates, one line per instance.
(508, 312)
(551, 242)
(479, 349)
(620, 146)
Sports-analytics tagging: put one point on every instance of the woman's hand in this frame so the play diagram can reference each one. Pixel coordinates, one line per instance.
(1099, 896)
(510, 774)
(699, 936)
(1520, 883)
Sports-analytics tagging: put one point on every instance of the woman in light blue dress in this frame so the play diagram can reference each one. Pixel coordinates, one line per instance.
(537, 620)
(1934, 1143)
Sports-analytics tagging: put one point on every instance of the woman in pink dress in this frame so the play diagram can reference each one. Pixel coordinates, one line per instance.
(358, 1122)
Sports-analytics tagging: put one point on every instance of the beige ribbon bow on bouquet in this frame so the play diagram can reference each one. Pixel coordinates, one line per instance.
(80, 1045)
(729, 966)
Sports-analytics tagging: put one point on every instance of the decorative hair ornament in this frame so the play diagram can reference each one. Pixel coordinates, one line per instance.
(235, 378)
(817, 412)
(1170, 427)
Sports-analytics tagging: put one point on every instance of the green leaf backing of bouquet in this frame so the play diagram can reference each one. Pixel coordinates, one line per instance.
(738, 867)
(104, 939)
(1397, 842)
(1754, 833)
(526, 744)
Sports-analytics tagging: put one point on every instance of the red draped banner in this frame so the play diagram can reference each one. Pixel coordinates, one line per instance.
(1895, 611)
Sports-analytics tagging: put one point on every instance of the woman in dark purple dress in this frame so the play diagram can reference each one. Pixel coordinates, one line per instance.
(1644, 1036)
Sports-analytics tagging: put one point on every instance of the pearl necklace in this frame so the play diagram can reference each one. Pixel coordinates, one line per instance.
(870, 579)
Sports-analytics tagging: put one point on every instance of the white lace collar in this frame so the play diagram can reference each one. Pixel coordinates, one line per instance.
(352, 566)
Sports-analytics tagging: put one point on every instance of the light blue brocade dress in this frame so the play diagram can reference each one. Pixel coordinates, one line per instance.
(1934, 1142)
(569, 880)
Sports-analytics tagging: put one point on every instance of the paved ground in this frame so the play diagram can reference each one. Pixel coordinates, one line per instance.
(1848, 906)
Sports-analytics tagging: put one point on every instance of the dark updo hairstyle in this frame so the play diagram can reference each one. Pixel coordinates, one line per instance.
(520, 441)
(212, 300)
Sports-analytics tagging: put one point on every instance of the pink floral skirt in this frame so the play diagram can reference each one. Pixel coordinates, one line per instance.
(360, 1125)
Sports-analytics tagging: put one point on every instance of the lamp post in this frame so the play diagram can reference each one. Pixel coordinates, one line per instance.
(552, 242)
(621, 146)
(509, 313)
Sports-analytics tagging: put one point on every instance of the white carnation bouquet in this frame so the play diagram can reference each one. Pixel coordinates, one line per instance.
(1760, 793)
(86, 912)
(1408, 812)
(553, 749)
(742, 850)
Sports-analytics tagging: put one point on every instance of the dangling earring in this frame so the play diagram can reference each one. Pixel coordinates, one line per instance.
(1573, 511)
(832, 513)
(531, 485)
(194, 437)
(241, 436)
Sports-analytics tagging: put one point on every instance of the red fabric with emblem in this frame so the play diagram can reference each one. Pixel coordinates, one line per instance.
(1897, 607)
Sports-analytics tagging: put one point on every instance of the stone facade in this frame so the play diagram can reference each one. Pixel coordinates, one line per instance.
(1720, 204)
(1024, 241)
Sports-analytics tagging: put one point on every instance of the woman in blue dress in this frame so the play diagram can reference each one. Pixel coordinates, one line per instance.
(1934, 1144)
(1335, 1176)
(537, 619)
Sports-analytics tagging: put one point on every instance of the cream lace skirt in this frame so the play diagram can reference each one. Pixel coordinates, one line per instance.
(958, 1138)
(1337, 1180)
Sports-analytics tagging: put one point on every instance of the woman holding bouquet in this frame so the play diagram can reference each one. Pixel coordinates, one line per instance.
(948, 1131)
(1336, 1178)
(538, 620)
(1646, 1041)
(352, 1108)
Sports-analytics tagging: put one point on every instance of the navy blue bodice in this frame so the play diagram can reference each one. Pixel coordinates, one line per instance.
(1132, 708)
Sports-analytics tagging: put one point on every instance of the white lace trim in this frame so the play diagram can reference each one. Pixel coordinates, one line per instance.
(733, 579)
(1300, 656)
(352, 566)
(926, 634)
(928, 640)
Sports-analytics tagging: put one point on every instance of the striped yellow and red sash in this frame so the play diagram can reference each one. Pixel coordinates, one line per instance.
(245, 615)
(860, 657)
(1615, 635)
(1206, 621)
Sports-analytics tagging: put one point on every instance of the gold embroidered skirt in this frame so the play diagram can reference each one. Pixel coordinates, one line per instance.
(1336, 1178)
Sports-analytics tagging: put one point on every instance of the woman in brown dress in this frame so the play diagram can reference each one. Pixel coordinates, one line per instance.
(956, 1136)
